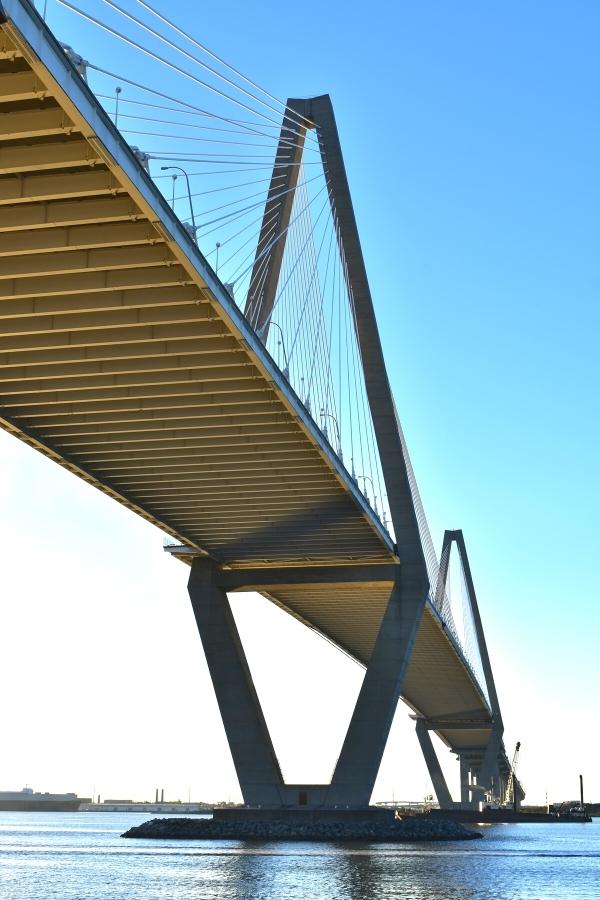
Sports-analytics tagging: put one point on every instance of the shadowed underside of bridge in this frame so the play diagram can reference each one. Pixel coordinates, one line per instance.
(124, 359)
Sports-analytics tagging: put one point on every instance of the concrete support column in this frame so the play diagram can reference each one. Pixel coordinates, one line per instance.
(465, 783)
(488, 773)
(440, 787)
(360, 757)
(249, 741)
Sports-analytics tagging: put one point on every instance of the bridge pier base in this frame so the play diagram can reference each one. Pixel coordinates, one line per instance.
(254, 758)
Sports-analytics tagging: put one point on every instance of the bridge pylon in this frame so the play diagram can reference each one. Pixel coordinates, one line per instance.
(254, 758)
(126, 360)
(411, 588)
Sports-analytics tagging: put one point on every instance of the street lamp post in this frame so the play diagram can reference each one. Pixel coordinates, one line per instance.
(368, 478)
(179, 169)
(117, 92)
(327, 415)
(286, 371)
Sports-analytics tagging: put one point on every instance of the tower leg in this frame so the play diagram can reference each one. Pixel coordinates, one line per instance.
(435, 772)
(357, 767)
(249, 741)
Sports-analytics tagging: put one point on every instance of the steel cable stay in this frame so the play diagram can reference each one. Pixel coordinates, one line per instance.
(189, 137)
(307, 272)
(301, 289)
(309, 355)
(218, 159)
(170, 65)
(280, 291)
(209, 172)
(249, 197)
(223, 205)
(189, 108)
(209, 52)
(290, 300)
(269, 138)
(457, 606)
(314, 328)
(311, 341)
(248, 255)
(357, 399)
(269, 246)
(156, 120)
(320, 339)
(368, 467)
(238, 233)
(190, 56)
(296, 286)
(233, 218)
(271, 224)
(375, 474)
(219, 190)
(471, 642)
(252, 240)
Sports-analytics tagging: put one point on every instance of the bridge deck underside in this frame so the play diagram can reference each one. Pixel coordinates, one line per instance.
(119, 362)
(122, 359)
(437, 684)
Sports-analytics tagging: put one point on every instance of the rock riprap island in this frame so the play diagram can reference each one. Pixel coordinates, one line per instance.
(413, 828)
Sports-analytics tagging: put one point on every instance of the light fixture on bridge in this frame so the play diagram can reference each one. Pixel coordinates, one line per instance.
(118, 90)
(194, 232)
(366, 493)
(327, 415)
(281, 343)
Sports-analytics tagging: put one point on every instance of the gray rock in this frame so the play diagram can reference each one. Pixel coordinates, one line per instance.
(407, 830)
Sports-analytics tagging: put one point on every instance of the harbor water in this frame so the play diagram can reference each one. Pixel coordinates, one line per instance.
(81, 856)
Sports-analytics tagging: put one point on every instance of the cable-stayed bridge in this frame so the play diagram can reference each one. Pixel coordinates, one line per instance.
(192, 331)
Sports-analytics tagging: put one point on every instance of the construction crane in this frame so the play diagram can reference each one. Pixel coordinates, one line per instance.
(510, 784)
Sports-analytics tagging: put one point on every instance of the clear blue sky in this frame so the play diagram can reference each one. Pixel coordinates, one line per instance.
(471, 139)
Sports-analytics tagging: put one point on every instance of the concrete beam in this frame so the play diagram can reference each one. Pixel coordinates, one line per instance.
(120, 371)
(27, 396)
(441, 723)
(40, 188)
(61, 213)
(216, 438)
(18, 86)
(106, 301)
(85, 281)
(21, 125)
(269, 578)
(84, 321)
(78, 237)
(41, 264)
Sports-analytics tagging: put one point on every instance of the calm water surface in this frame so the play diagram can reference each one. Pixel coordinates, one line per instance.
(81, 855)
